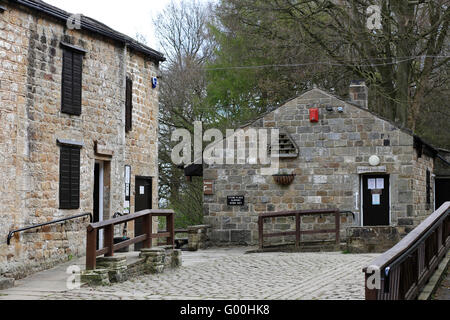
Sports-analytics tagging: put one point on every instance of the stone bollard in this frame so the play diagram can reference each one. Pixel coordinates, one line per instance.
(116, 266)
(97, 277)
(154, 260)
(198, 237)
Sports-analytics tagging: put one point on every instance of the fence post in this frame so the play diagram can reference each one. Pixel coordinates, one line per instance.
(148, 230)
(170, 228)
(261, 231)
(109, 240)
(91, 248)
(370, 294)
(297, 230)
(338, 227)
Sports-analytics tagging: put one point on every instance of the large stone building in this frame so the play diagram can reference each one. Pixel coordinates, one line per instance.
(329, 157)
(78, 117)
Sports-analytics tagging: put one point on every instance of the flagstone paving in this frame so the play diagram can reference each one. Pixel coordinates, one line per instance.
(231, 274)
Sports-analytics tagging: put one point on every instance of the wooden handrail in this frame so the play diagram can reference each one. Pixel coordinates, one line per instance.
(298, 232)
(130, 217)
(146, 237)
(293, 213)
(406, 267)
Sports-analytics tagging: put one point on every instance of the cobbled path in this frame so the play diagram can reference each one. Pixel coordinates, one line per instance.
(218, 275)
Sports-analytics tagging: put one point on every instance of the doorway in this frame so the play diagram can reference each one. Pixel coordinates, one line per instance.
(98, 199)
(375, 200)
(442, 191)
(143, 201)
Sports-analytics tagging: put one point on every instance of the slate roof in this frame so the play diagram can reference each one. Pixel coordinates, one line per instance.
(91, 25)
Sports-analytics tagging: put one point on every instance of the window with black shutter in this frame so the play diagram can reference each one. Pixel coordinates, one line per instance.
(129, 105)
(428, 188)
(69, 177)
(72, 81)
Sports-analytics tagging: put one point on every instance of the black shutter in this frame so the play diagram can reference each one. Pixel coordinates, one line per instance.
(69, 178)
(129, 105)
(428, 187)
(72, 82)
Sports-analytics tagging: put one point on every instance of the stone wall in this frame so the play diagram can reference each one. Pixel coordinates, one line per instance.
(371, 239)
(331, 155)
(31, 122)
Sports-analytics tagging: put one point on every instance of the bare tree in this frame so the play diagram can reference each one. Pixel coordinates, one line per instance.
(183, 35)
(401, 61)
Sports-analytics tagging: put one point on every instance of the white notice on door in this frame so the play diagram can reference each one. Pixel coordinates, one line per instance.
(372, 184)
(380, 184)
(142, 190)
(376, 201)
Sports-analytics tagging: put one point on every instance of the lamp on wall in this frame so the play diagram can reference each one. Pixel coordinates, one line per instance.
(374, 161)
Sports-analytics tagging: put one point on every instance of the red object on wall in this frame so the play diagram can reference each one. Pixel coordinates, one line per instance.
(314, 115)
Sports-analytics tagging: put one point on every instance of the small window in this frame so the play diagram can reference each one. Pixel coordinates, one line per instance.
(129, 105)
(71, 81)
(428, 188)
(288, 148)
(69, 177)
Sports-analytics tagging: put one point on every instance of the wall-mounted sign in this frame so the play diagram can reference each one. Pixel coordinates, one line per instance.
(208, 187)
(379, 169)
(126, 206)
(235, 200)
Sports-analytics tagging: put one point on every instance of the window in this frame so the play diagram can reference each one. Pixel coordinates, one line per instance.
(428, 189)
(69, 177)
(129, 105)
(288, 148)
(72, 81)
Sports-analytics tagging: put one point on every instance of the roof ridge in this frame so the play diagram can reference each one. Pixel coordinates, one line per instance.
(93, 25)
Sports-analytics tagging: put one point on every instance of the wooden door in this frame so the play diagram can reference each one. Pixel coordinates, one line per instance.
(376, 206)
(143, 201)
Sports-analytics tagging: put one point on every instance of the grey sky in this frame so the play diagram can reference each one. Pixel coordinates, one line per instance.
(128, 17)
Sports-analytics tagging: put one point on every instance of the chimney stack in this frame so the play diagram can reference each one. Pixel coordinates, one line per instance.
(359, 93)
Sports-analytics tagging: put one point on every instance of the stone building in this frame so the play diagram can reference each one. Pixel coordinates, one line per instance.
(348, 158)
(78, 117)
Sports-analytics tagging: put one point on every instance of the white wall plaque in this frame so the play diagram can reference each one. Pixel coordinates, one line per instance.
(141, 190)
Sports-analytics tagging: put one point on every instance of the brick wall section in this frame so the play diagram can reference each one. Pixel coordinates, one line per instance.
(326, 171)
(31, 122)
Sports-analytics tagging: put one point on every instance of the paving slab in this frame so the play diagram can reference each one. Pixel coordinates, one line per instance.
(219, 274)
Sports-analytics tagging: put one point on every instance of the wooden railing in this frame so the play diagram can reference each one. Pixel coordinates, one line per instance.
(406, 268)
(298, 232)
(109, 247)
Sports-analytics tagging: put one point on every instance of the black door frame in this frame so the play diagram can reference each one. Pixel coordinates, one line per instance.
(361, 188)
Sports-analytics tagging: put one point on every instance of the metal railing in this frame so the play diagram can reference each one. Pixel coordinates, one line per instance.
(406, 268)
(109, 247)
(298, 232)
(11, 233)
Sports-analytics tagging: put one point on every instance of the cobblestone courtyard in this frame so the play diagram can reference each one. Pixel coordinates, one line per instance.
(231, 274)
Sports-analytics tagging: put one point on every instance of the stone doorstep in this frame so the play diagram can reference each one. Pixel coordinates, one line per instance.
(6, 283)
(436, 279)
